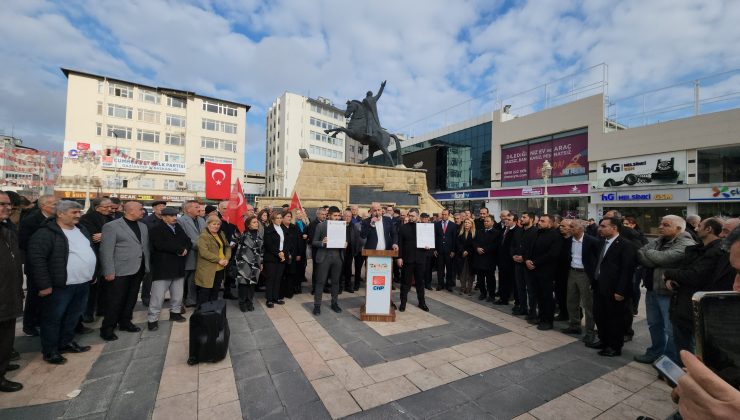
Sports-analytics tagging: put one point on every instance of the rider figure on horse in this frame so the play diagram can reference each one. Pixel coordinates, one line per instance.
(370, 103)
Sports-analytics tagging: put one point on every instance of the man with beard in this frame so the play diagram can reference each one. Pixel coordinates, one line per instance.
(413, 261)
(542, 261)
(521, 244)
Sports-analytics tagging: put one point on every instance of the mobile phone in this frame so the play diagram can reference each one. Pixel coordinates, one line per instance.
(717, 331)
(670, 370)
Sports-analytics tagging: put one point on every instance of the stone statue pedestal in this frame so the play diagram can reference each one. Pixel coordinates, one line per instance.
(342, 184)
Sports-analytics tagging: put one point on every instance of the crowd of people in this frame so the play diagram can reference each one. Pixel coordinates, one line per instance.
(586, 274)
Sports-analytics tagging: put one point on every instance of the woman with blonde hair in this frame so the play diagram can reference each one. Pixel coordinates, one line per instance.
(213, 256)
(465, 248)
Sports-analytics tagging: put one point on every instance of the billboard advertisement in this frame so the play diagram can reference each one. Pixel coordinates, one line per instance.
(657, 169)
(568, 157)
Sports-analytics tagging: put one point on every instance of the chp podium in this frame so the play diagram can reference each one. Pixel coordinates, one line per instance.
(378, 282)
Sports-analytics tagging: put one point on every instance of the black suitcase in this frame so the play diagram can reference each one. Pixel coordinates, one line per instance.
(209, 333)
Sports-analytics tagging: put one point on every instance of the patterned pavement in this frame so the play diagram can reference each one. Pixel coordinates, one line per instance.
(464, 359)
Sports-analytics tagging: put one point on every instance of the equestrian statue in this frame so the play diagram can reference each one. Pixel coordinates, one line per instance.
(364, 126)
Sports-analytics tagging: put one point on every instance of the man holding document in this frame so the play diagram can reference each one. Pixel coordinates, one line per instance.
(415, 241)
(330, 240)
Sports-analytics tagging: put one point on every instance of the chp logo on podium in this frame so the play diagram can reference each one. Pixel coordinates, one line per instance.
(378, 282)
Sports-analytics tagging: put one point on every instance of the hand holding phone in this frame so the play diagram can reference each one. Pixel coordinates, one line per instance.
(670, 371)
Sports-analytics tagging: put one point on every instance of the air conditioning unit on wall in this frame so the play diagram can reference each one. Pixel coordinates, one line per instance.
(182, 185)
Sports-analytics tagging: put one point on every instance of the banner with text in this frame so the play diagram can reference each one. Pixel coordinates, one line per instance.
(568, 157)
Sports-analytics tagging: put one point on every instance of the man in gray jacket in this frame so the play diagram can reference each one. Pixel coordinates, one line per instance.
(665, 252)
(193, 225)
(124, 255)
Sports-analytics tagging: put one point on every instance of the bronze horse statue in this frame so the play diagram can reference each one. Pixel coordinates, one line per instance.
(358, 130)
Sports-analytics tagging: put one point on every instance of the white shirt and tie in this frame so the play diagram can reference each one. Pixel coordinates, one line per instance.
(381, 234)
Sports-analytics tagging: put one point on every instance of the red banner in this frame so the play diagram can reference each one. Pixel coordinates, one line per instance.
(218, 179)
(295, 202)
(237, 207)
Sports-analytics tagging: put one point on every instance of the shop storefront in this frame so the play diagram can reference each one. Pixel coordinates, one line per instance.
(716, 200)
(144, 198)
(648, 206)
(566, 200)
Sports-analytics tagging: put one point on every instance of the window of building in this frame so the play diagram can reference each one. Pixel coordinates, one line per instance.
(174, 157)
(176, 102)
(100, 108)
(146, 183)
(175, 120)
(147, 155)
(122, 91)
(119, 111)
(148, 96)
(113, 182)
(719, 165)
(98, 129)
(217, 159)
(219, 108)
(196, 186)
(122, 133)
(321, 151)
(149, 116)
(147, 136)
(100, 86)
(170, 184)
(175, 139)
(219, 144)
(326, 139)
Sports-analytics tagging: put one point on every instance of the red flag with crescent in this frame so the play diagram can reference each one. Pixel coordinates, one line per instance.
(295, 202)
(237, 207)
(218, 180)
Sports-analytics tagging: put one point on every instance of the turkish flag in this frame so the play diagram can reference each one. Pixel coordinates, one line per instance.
(218, 178)
(295, 202)
(237, 207)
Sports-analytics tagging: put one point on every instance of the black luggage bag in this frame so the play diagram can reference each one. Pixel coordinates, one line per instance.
(209, 333)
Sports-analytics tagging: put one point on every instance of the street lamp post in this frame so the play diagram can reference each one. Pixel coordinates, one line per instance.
(546, 173)
(89, 160)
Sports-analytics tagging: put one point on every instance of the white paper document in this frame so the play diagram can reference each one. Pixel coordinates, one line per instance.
(336, 231)
(425, 235)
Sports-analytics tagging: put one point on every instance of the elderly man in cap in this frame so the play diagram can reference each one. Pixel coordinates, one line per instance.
(169, 249)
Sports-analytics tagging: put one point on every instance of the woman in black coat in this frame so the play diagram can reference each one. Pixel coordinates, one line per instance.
(291, 241)
(275, 258)
(249, 253)
(301, 224)
(465, 249)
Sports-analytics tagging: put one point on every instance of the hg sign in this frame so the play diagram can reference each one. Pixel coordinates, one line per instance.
(625, 197)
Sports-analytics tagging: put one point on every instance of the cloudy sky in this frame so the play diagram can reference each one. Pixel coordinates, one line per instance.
(434, 53)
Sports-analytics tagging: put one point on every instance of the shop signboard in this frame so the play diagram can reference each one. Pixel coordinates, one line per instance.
(675, 195)
(715, 193)
(514, 163)
(657, 169)
(460, 195)
(121, 163)
(553, 190)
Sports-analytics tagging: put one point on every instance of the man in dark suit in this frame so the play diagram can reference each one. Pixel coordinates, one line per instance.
(379, 231)
(612, 282)
(413, 261)
(28, 226)
(311, 231)
(542, 261)
(352, 249)
(329, 262)
(97, 216)
(445, 236)
(506, 276)
(525, 285)
(481, 220)
(486, 246)
(583, 250)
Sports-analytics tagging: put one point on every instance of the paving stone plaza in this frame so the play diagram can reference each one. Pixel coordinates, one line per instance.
(465, 359)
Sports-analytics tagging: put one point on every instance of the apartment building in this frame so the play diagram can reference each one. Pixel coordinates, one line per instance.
(143, 142)
(295, 125)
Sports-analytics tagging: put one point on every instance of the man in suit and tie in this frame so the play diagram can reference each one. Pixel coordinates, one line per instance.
(445, 236)
(379, 232)
(506, 276)
(329, 262)
(413, 261)
(124, 255)
(354, 246)
(615, 266)
(311, 232)
(486, 246)
(583, 253)
(193, 225)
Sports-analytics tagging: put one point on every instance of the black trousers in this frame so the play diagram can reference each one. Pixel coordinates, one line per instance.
(287, 287)
(208, 294)
(609, 318)
(314, 267)
(413, 271)
(428, 272)
(7, 336)
(445, 270)
(486, 282)
(545, 302)
(273, 274)
(146, 287)
(121, 299)
(32, 308)
(96, 298)
(520, 275)
(300, 273)
(329, 270)
(506, 282)
(561, 291)
(246, 293)
(359, 261)
(347, 264)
